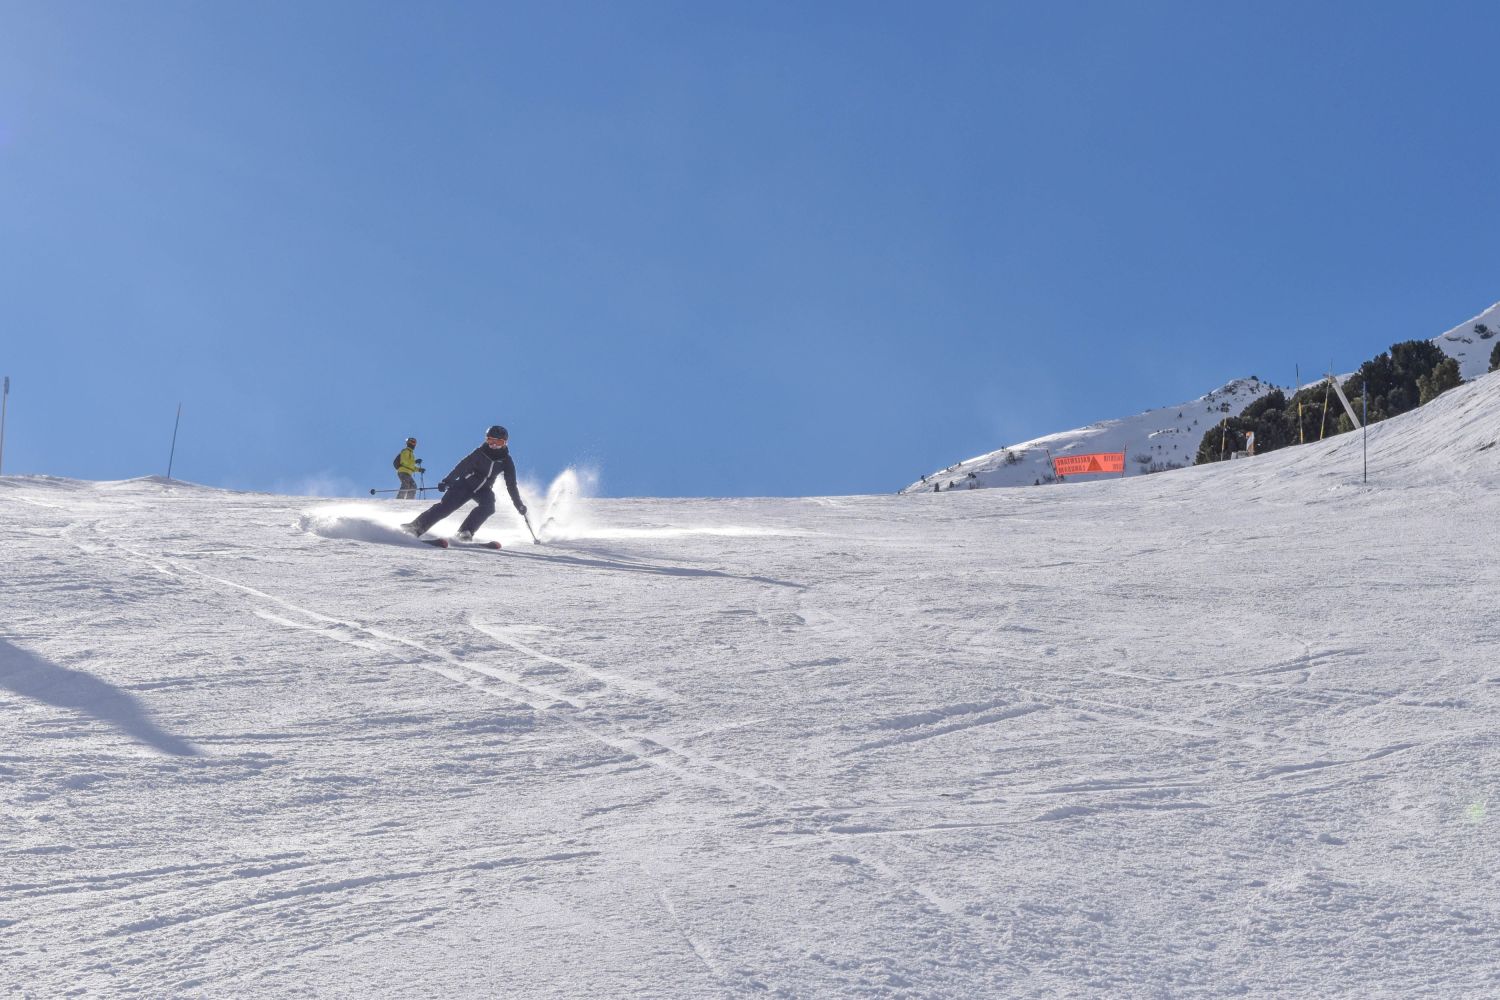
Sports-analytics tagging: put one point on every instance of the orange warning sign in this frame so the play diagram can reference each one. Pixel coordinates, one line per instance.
(1077, 465)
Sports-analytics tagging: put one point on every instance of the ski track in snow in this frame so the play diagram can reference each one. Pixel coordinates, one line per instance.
(1218, 732)
(541, 698)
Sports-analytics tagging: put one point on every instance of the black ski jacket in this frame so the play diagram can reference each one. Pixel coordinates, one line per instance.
(478, 471)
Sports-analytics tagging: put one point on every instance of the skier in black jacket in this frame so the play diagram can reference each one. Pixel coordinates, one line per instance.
(473, 479)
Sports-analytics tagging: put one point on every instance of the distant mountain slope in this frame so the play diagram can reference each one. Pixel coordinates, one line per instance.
(1472, 342)
(1168, 437)
(1155, 440)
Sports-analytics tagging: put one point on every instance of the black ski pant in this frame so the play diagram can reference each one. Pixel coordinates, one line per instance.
(451, 501)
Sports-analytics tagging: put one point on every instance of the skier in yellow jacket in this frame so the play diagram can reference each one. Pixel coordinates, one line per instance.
(407, 463)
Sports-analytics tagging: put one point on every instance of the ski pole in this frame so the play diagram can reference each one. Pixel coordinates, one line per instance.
(534, 539)
(419, 490)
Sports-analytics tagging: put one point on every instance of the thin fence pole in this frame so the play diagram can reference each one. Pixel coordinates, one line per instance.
(173, 455)
(1301, 434)
(1364, 390)
(4, 398)
(1323, 420)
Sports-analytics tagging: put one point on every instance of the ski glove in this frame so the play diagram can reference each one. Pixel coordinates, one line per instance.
(442, 487)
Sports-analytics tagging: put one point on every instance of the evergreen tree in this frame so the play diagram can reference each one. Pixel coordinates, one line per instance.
(1223, 439)
(1316, 424)
(1268, 418)
(1438, 381)
(1391, 378)
(1411, 373)
(1495, 358)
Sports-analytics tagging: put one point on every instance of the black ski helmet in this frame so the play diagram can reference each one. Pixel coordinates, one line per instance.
(411, 441)
(498, 432)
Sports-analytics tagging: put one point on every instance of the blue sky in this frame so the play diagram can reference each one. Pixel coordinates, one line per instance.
(710, 249)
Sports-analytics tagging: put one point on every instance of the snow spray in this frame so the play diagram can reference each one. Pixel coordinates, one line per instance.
(562, 514)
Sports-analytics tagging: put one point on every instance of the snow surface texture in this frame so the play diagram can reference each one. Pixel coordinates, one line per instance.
(1227, 732)
(1167, 438)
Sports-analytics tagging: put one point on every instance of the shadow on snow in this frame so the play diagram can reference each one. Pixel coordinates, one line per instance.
(32, 677)
(606, 560)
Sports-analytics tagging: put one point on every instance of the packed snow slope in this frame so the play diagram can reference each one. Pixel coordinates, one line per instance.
(1167, 437)
(1229, 732)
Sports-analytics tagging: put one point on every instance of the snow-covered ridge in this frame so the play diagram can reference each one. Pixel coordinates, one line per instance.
(1167, 437)
(1154, 441)
(1470, 346)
